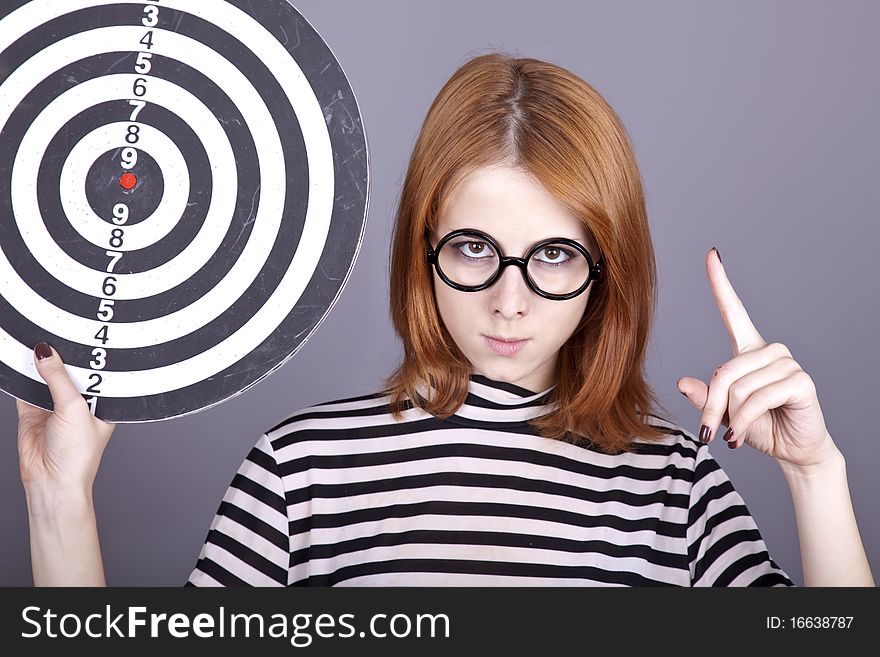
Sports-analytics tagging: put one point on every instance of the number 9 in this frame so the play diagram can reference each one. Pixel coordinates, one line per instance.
(120, 214)
(129, 157)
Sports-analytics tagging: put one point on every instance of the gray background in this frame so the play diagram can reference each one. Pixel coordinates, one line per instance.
(755, 127)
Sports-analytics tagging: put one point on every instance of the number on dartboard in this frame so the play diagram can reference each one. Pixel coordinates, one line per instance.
(100, 361)
(115, 256)
(138, 106)
(102, 334)
(151, 18)
(94, 386)
(129, 157)
(109, 289)
(105, 310)
(120, 214)
(116, 237)
(143, 63)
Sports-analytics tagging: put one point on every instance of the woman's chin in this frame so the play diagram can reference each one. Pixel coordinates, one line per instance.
(503, 373)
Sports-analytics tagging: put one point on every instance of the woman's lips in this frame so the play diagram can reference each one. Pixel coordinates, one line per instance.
(504, 347)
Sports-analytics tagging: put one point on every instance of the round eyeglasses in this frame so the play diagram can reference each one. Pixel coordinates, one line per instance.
(557, 268)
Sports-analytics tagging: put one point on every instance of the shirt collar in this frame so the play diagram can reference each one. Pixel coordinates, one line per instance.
(501, 402)
(503, 393)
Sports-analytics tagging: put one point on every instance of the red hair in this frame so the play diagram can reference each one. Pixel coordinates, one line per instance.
(552, 124)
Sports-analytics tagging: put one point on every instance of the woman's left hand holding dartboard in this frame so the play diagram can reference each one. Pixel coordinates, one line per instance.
(59, 454)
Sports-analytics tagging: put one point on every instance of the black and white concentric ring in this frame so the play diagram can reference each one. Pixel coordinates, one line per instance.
(183, 191)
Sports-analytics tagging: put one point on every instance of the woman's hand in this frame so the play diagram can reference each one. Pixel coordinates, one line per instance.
(60, 450)
(769, 402)
(58, 454)
(762, 394)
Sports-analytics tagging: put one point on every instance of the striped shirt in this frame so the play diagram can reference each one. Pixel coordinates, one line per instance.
(343, 494)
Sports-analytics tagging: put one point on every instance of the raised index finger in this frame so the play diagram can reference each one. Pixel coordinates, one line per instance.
(743, 333)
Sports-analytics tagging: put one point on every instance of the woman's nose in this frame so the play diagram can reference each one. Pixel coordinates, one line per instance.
(510, 296)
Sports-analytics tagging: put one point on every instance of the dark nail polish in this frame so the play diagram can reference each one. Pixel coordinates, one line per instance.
(718, 253)
(43, 351)
(728, 434)
(732, 444)
(705, 432)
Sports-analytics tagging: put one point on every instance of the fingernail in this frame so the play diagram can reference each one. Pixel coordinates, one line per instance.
(728, 434)
(43, 351)
(732, 444)
(705, 432)
(718, 253)
(682, 392)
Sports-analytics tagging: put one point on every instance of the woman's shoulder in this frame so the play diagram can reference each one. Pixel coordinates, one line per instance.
(674, 430)
(341, 417)
(675, 439)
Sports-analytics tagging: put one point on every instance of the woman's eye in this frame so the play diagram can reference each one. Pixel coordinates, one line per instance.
(553, 255)
(475, 249)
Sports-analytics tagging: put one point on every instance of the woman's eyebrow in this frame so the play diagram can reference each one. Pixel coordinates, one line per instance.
(582, 240)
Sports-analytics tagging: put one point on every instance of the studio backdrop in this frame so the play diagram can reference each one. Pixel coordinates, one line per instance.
(754, 125)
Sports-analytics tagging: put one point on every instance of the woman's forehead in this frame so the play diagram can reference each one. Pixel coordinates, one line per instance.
(512, 207)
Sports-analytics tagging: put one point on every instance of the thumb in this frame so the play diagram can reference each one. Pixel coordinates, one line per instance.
(695, 390)
(49, 365)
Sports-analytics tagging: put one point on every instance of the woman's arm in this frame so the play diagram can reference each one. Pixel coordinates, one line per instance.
(769, 402)
(832, 553)
(64, 539)
(59, 454)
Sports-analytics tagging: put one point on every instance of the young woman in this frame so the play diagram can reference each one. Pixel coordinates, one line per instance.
(518, 443)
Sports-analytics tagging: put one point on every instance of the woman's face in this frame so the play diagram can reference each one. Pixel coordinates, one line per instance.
(516, 210)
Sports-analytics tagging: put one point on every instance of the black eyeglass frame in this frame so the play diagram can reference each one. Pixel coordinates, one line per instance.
(595, 272)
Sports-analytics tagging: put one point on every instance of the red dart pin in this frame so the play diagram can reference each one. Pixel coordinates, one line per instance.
(128, 180)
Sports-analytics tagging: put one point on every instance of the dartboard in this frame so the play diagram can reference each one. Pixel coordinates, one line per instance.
(183, 193)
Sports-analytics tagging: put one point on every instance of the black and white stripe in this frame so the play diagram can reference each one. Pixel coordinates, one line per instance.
(341, 494)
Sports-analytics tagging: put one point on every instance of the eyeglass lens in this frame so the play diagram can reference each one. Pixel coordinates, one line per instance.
(556, 269)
